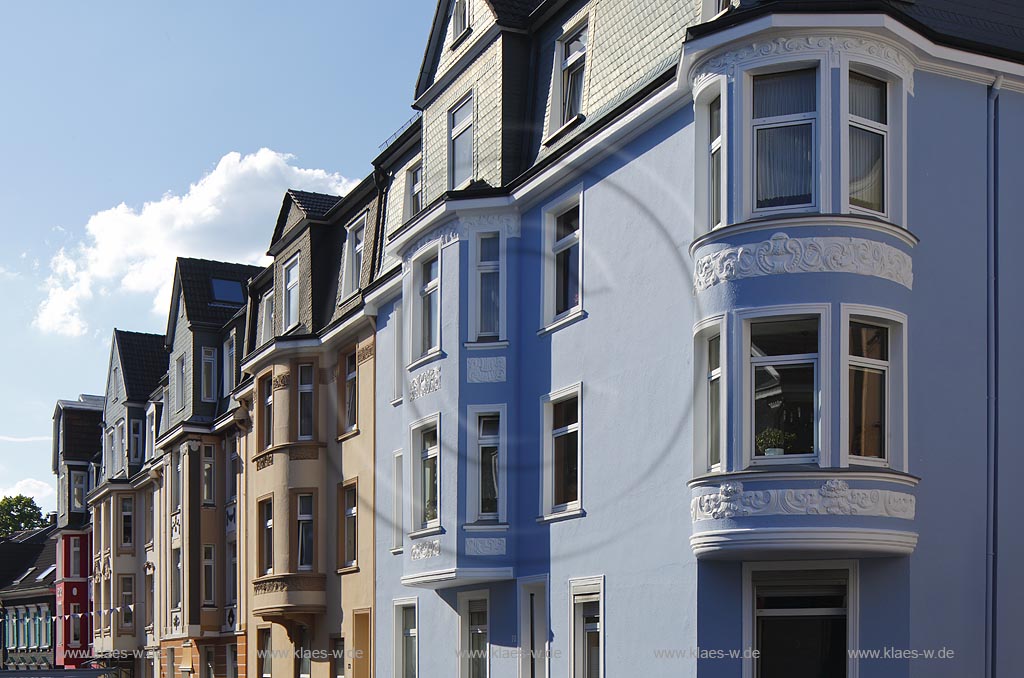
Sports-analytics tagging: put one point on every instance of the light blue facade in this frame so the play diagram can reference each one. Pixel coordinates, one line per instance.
(674, 548)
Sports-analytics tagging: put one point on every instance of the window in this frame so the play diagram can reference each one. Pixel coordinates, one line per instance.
(209, 575)
(264, 659)
(231, 574)
(306, 402)
(714, 361)
(407, 645)
(120, 442)
(354, 255)
(150, 522)
(227, 291)
(587, 631)
(304, 532)
(473, 615)
(150, 431)
(208, 655)
(266, 517)
(801, 622)
(267, 415)
(232, 474)
(486, 435)
(291, 293)
(127, 603)
(127, 524)
(349, 524)
(430, 297)
(351, 391)
(76, 556)
(460, 145)
(171, 669)
(785, 142)
(266, 332)
(784, 374)
(76, 623)
(715, 161)
(229, 365)
(179, 382)
(427, 508)
(209, 475)
(562, 451)
(869, 390)
(232, 661)
(397, 506)
(414, 182)
(209, 374)
(574, 59)
(135, 441)
(338, 658)
(77, 491)
(176, 578)
(460, 18)
(303, 656)
(176, 482)
(868, 137)
(399, 329)
(488, 288)
(563, 261)
(150, 599)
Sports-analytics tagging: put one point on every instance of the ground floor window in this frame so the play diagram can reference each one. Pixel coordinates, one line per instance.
(587, 636)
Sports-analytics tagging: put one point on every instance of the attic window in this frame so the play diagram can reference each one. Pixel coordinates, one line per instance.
(460, 18)
(227, 291)
(47, 572)
(22, 577)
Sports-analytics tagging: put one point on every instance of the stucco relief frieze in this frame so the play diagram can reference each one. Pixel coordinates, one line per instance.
(782, 254)
(505, 223)
(264, 461)
(834, 497)
(303, 453)
(281, 380)
(289, 582)
(485, 546)
(427, 549)
(485, 370)
(856, 47)
(426, 382)
(364, 352)
(442, 235)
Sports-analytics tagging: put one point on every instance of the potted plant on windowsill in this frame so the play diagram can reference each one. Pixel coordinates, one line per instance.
(772, 442)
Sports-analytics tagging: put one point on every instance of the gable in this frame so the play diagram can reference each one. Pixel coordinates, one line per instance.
(439, 56)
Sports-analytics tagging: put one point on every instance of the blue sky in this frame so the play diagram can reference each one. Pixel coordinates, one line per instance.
(131, 133)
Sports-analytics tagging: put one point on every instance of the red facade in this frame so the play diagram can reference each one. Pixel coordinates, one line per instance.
(74, 566)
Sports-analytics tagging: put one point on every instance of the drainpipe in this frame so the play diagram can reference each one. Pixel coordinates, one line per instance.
(992, 355)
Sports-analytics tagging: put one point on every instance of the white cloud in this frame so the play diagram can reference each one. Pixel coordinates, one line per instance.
(227, 215)
(24, 439)
(31, 487)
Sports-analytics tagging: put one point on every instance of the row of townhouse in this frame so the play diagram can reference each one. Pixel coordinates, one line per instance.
(634, 355)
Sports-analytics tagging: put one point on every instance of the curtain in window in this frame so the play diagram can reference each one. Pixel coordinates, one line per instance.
(787, 93)
(867, 169)
(867, 98)
(785, 165)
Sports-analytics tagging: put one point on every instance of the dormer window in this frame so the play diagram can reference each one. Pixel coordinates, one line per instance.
(784, 122)
(460, 18)
(291, 293)
(460, 144)
(354, 254)
(266, 330)
(574, 61)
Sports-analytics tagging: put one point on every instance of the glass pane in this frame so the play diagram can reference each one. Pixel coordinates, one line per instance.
(867, 98)
(350, 499)
(490, 248)
(478, 655)
(489, 480)
(715, 115)
(566, 468)
(867, 412)
(593, 654)
(564, 413)
(429, 438)
(429, 489)
(305, 413)
(305, 504)
(461, 114)
(784, 410)
(801, 646)
(567, 223)
(573, 93)
(350, 403)
(867, 169)
(714, 423)
(305, 375)
(306, 543)
(350, 539)
(869, 341)
(784, 337)
(462, 157)
(785, 165)
(489, 303)
(716, 187)
(489, 426)
(787, 93)
(409, 657)
(430, 270)
(714, 353)
(430, 322)
(408, 618)
(577, 44)
(567, 284)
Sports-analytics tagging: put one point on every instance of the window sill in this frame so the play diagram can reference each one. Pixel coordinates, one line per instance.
(562, 321)
(426, 532)
(564, 129)
(787, 459)
(428, 357)
(562, 515)
(348, 569)
(209, 505)
(457, 42)
(481, 526)
(868, 461)
(209, 606)
(485, 345)
(396, 402)
(397, 551)
(348, 435)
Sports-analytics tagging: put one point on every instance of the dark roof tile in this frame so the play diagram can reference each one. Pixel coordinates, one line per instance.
(143, 361)
(202, 303)
(314, 205)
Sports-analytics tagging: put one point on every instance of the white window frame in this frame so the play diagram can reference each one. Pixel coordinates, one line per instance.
(420, 290)
(208, 375)
(267, 410)
(351, 251)
(135, 439)
(179, 386)
(548, 509)
(852, 609)
(463, 600)
(398, 330)
(126, 601)
(713, 88)
(209, 481)
(881, 129)
(228, 377)
(398, 608)
(398, 504)
(151, 424)
(348, 513)
(424, 527)
(540, 586)
(130, 515)
(474, 413)
(266, 330)
(209, 575)
(703, 332)
(549, 319)
(456, 132)
(75, 559)
(121, 448)
(78, 479)
(823, 376)
(559, 77)
(476, 288)
(291, 293)
(460, 15)
(305, 387)
(582, 590)
(351, 365)
(897, 399)
(414, 202)
(300, 520)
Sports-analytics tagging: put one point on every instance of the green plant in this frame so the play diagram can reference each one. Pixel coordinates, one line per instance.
(773, 438)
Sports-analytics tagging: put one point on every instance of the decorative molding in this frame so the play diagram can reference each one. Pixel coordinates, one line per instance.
(364, 352)
(505, 223)
(834, 497)
(176, 526)
(264, 461)
(302, 453)
(229, 518)
(425, 382)
(782, 254)
(485, 546)
(485, 370)
(857, 47)
(426, 549)
(280, 381)
(442, 235)
(286, 583)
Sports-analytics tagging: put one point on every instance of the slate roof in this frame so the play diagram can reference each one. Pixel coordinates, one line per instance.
(196, 275)
(314, 205)
(83, 433)
(143, 362)
(29, 549)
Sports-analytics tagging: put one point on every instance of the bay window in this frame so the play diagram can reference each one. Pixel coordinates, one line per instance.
(266, 395)
(868, 139)
(209, 575)
(306, 401)
(229, 365)
(487, 288)
(488, 441)
(414, 197)
(715, 162)
(127, 603)
(714, 401)
(869, 377)
(429, 284)
(354, 255)
(304, 532)
(177, 578)
(265, 515)
(127, 522)
(78, 490)
(209, 476)
(784, 122)
(428, 504)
